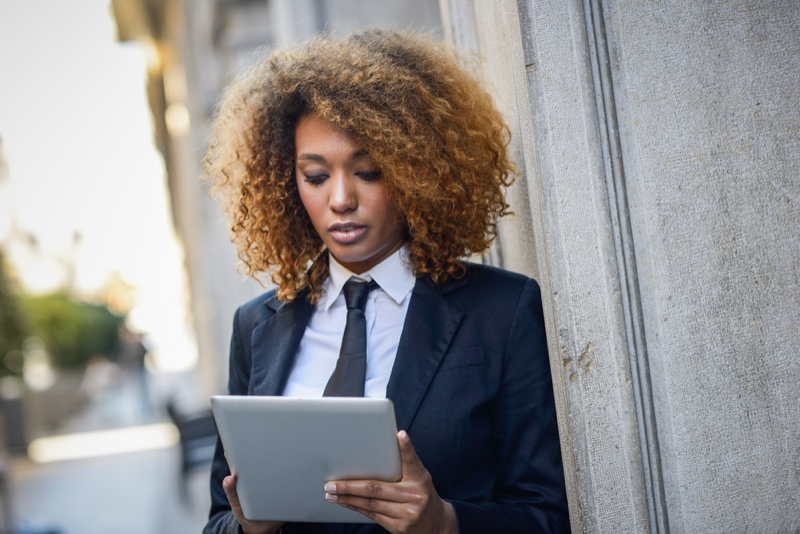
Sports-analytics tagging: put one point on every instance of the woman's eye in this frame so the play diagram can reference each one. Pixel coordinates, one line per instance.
(369, 176)
(316, 179)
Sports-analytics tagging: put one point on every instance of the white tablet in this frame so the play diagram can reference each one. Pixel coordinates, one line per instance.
(283, 450)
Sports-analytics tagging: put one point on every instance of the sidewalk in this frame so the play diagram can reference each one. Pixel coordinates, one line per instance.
(134, 493)
(130, 493)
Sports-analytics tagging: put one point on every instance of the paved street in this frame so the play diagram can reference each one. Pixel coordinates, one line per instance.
(134, 493)
(130, 493)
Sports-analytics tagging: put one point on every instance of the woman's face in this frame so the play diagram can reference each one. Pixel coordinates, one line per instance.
(344, 195)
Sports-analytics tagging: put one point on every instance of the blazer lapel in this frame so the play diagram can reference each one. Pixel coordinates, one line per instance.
(274, 344)
(430, 325)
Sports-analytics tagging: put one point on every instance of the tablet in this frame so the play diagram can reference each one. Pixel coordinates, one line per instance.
(284, 449)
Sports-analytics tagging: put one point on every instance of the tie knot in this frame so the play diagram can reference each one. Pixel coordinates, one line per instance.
(356, 293)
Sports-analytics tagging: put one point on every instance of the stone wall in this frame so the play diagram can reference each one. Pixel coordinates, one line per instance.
(661, 166)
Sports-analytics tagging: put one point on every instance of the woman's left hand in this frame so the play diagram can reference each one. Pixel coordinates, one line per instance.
(410, 506)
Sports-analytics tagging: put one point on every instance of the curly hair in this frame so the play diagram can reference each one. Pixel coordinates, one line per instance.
(409, 101)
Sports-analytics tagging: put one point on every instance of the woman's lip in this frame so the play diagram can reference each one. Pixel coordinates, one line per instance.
(346, 232)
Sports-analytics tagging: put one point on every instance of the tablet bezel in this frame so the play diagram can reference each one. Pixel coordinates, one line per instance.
(284, 449)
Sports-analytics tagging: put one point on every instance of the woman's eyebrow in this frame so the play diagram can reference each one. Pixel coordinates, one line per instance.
(321, 159)
(312, 157)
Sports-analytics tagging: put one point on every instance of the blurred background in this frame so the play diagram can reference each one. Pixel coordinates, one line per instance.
(117, 279)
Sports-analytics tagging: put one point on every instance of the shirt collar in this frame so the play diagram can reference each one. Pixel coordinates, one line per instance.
(394, 275)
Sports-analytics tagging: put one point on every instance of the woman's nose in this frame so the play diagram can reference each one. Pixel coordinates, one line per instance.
(343, 192)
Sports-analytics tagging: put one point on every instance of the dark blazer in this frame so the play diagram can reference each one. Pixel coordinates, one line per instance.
(471, 384)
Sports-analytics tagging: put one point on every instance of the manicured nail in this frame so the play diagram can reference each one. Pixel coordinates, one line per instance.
(403, 436)
(330, 487)
(331, 498)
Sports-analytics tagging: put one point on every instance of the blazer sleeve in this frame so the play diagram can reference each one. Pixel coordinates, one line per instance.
(220, 517)
(530, 493)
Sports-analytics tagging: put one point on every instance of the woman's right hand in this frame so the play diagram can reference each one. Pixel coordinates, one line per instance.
(249, 527)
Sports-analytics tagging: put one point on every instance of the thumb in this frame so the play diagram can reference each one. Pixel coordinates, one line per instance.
(412, 465)
(229, 485)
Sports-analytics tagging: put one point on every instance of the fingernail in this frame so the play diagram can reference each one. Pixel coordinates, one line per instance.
(403, 436)
(331, 498)
(330, 487)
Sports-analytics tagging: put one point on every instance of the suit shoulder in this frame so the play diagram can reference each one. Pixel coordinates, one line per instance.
(491, 287)
(495, 277)
(495, 295)
(255, 309)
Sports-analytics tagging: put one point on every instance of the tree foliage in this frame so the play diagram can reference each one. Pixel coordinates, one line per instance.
(14, 328)
(72, 330)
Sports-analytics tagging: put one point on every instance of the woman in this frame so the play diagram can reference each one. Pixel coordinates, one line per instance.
(379, 157)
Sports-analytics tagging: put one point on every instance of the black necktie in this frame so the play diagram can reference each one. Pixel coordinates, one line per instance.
(348, 378)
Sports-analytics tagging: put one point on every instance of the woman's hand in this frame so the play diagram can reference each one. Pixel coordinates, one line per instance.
(249, 527)
(410, 506)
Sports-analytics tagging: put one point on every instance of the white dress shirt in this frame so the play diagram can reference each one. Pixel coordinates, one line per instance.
(385, 313)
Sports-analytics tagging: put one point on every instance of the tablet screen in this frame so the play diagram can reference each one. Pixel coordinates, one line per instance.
(284, 449)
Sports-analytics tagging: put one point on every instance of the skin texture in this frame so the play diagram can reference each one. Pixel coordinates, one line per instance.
(342, 192)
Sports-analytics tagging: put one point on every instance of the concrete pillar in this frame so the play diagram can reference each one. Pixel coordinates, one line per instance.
(661, 155)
